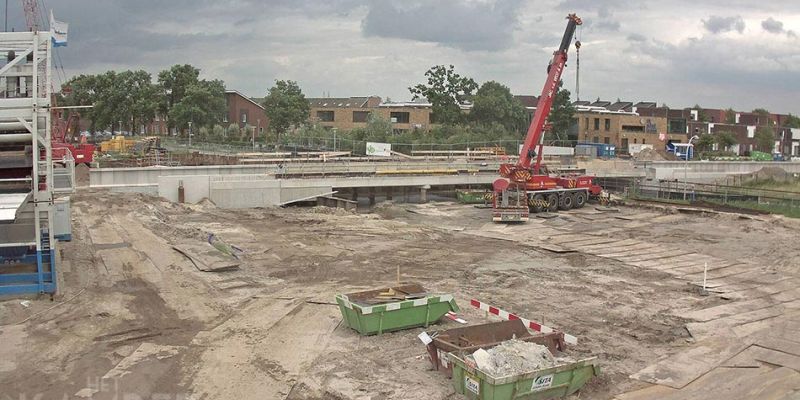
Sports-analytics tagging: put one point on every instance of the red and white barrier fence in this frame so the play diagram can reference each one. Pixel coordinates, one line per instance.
(530, 324)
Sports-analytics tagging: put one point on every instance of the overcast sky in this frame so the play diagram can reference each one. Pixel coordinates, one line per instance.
(718, 53)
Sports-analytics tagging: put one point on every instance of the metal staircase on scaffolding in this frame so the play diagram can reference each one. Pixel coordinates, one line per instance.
(28, 190)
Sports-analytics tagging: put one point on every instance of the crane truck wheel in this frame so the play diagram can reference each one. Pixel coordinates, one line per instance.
(580, 199)
(552, 202)
(567, 202)
(537, 203)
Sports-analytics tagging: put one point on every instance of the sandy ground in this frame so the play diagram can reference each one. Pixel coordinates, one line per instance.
(136, 318)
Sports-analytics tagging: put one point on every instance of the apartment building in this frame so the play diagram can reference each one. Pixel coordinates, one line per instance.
(598, 123)
(348, 113)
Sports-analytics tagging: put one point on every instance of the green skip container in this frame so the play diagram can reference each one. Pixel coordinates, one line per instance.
(362, 312)
(548, 383)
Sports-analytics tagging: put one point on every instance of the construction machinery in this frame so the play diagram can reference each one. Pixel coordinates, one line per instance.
(82, 152)
(527, 187)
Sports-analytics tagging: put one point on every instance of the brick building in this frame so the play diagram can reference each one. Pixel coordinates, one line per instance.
(244, 111)
(348, 113)
(599, 124)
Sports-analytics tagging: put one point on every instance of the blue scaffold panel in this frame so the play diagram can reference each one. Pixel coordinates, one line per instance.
(31, 282)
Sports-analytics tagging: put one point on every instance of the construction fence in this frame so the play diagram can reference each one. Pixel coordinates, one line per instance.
(732, 197)
(356, 147)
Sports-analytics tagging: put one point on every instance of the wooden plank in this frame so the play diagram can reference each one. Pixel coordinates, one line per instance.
(553, 248)
(680, 369)
(648, 393)
(661, 254)
(723, 326)
(722, 272)
(617, 243)
(565, 238)
(591, 240)
(741, 384)
(726, 310)
(645, 249)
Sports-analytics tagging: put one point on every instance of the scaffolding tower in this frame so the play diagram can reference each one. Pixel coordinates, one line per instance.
(27, 186)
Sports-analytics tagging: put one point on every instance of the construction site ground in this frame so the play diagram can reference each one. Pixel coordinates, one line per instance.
(134, 317)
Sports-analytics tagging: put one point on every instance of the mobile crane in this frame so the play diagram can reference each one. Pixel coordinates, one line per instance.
(525, 188)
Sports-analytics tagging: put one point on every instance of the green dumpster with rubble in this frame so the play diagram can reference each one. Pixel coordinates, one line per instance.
(374, 312)
(474, 196)
(547, 383)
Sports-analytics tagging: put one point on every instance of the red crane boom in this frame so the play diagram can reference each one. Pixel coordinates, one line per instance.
(523, 188)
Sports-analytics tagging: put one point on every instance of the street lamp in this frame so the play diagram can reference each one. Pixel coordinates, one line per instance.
(334, 139)
(686, 163)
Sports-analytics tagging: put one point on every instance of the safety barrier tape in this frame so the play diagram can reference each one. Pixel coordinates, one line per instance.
(509, 316)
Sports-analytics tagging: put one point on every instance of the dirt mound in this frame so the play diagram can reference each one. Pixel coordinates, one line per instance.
(81, 175)
(654, 155)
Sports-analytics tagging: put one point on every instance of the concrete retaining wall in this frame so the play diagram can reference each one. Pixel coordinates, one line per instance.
(711, 171)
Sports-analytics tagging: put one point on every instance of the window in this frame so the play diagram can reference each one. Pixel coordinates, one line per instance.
(244, 117)
(606, 140)
(399, 117)
(676, 126)
(261, 130)
(643, 140)
(608, 124)
(225, 118)
(595, 140)
(325, 116)
(597, 124)
(634, 140)
(587, 123)
(360, 116)
(632, 128)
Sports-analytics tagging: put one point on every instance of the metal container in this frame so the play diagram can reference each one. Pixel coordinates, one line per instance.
(465, 340)
(547, 383)
(475, 196)
(369, 314)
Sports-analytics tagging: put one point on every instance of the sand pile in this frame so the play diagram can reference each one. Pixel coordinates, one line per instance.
(513, 357)
(648, 154)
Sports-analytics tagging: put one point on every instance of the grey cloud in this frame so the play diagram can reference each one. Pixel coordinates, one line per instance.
(636, 37)
(452, 23)
(717, 24)
(771, 25)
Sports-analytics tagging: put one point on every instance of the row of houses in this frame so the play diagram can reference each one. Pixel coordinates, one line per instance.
(621, 123)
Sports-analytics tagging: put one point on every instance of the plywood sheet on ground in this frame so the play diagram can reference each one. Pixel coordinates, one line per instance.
(741, 384)
(684, 367)
(722, 326)
(207, 258)
(649, 393)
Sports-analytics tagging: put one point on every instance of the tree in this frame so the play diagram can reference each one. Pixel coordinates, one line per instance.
(562, 114)
(494, 103)
(285, 106)
(792, 121)
(446, 90)
(202, 104)
(701, 114)
(765, 139)
(705, 143)
(172, 84)
(730, 116)
(764, 116)
(124, 100)
(725, 140)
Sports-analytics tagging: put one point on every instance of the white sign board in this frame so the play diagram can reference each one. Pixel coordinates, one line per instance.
(379, 149)
(553, 150)
(542, 382)
(473, 385)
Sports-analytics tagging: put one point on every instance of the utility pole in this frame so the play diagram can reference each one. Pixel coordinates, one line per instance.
(190, 133)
